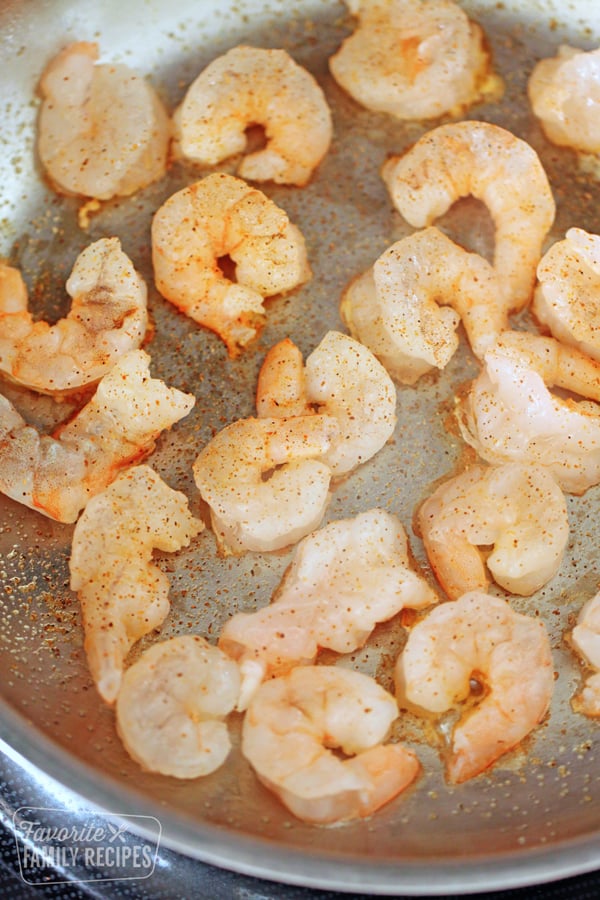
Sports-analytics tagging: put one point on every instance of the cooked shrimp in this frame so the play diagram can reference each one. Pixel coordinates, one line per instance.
(292, 722)
(251, 86)
(343, 580)
(223, 216)
(172, 706)
(412, 59)
(518, 509)
(393, 307)
(57, 474)
(564, 92)
(123, 595)
(265, 480)
(503, 171)
(585, 637)
(103, 131)
(567, 296)
(108, 318)
(479, 637)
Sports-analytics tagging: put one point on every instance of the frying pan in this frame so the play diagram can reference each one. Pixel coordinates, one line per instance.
(534, 816)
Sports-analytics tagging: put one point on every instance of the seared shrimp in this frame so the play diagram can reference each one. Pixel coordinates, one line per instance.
(567, 296)
(251, 86)
(413, 59)
(108, 317)
(223, 216)
(585, 637)
(564, 92)
(57, 474)
(479, 637)
(294, 720)
(172, 706)
(103, 131)
(393, 307)
(520, 510)
(265, 480)
(343, 580)
(503, 171)
(123, 595)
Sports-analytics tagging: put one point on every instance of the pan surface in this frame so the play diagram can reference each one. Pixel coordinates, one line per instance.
(536, 815)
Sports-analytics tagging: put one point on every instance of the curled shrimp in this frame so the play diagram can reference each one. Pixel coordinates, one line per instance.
(103, 130)
(58, 474)
(217, 217)
(509, 413)
(407, 306)
(412, 59)
(294, 720)
(478, 637)
(172, 706)
(585, 637)
(519, 510)
(343, 580)
(567, 295)
(108, 317)
(123, 595)
(564, 92)
(252, 86)
(265, 480)
(496, 167)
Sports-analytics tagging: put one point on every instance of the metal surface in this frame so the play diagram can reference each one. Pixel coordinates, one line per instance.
(536, 815)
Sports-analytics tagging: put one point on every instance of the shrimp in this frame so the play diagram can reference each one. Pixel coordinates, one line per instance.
(252, 86)
(57, 474)
(478, 637)
(172, 706)
(217, 217)
(510, 415)
(393, 307)
(414, 60)
(292, 722)
(564, 92)
(123, 595)
(585, 637)
(518, 509)
(265, 480)
(108, 318)
(503, 171)
(343, 580)
(567, 296)
(103, 130)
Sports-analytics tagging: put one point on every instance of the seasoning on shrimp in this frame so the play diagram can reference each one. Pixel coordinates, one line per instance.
(585, 638)
(296, 720)
(222, 216)
(253, 86)
(108, 318)
(123, 595)
(344, 579)
(103, 130)
(478, 636)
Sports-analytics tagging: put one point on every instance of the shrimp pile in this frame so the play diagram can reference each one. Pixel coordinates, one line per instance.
(216, 217)
(252, 86)
(103, 130)
(585, 637)
(393, 307)
(172, 706)
(57, 474)
(343, 580)
(413, 59)
(519, 510)
(123, 595)
(294, 720)
(108, 318)
(478, 636)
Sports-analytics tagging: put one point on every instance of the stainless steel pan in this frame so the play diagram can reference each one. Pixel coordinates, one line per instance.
(534, 816)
